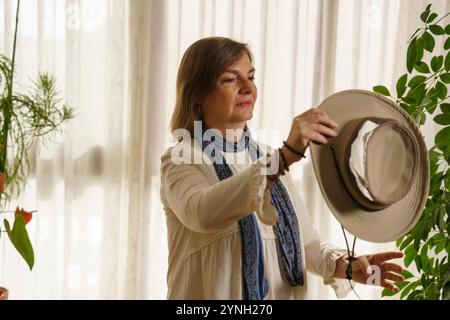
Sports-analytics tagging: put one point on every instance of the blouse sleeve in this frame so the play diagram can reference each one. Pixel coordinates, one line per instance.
(320, 256)
(204, 207)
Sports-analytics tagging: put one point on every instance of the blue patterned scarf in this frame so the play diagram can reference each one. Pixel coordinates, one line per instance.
(287, 229)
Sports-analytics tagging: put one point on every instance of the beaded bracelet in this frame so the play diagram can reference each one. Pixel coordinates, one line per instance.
(301, 154)
(286, 167)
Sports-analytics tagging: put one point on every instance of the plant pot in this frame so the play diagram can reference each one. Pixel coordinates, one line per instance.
(3, 293)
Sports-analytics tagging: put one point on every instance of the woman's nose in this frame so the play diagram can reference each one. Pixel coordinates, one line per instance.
(247, 87)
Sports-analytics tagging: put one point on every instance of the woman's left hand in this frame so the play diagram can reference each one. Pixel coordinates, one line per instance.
(374, 269)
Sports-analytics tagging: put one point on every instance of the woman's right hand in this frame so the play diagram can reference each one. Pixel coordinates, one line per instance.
(312, 125)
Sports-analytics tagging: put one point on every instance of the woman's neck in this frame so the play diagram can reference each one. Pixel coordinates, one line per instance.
(229, 132)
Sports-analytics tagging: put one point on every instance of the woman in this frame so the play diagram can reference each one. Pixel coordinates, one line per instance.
(237, 227)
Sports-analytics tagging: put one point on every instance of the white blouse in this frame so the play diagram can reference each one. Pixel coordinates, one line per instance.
(202, 215)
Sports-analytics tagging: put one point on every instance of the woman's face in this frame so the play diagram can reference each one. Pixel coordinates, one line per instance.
(230, 104)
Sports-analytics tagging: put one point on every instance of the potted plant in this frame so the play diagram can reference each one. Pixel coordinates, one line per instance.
(27, 121)
(422, 91)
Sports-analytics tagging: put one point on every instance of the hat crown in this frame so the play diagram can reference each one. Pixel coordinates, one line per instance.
(391, 162)
(377, 159)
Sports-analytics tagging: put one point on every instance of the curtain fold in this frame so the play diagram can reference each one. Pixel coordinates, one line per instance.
(100, 229)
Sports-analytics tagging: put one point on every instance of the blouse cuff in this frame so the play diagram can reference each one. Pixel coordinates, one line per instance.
(261, 197)
(341, 286)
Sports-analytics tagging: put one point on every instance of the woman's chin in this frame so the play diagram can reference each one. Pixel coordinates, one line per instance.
(245, 115)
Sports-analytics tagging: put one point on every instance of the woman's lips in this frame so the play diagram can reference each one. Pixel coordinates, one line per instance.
(245, 104)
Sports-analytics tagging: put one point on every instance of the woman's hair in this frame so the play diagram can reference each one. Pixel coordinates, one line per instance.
(201, 66)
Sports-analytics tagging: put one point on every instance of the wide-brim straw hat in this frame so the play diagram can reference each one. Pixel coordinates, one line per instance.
(374, 175)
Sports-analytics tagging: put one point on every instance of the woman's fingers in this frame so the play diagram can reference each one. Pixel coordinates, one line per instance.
(389, 266)
(314, 115)
(394, 276)
(320, 133)
(385, 256)
(313, 125)
(324, 119)
(324, 130)
(317, 137)
(389, 285)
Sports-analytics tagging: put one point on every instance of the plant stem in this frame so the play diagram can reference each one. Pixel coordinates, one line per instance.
(9, 103)
(15, 38)
(442, 18)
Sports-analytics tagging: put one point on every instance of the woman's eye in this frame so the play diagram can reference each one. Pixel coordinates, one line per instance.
(229, 80)
(252, 78)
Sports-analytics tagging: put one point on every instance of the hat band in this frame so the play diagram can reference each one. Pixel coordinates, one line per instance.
(357, 158)
(381, 202)
(350, 157)
(349, 193)
(341, 154)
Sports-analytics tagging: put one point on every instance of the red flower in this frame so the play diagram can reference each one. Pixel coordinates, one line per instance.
(26, 215)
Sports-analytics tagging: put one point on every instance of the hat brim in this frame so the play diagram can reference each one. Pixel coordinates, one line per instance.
(388, 224)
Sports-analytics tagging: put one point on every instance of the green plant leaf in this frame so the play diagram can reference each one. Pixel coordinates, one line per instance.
(436, 63)
(19, 238)
(424, 15)
(419, 50)
(446, 156)
(431, 17)
(407, 107)
(422, 67)
(434, 157)
(388, 293)
(382, 89)
(410, 254)
(401, 85)
(447, 44)
(447, 62)
(423, 118)
(416, 81)
(425, 261)
(417, 30)
(437, 29)
(418, 262)
(445, 77)
(433, 169)
(429, 105)
(418, 93)
(441, 90)
(435, 185)
(440, 245)
(445, 108)
(432, 94)
(442, 138)
(407, 274)
(442, 119)
(447, 29)
(399, 241)
(411, 55)
(408, 288)
(406, 242)
(428, 41)
(410, 101)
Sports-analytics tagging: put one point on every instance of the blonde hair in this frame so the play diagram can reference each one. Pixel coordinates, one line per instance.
(201, 66)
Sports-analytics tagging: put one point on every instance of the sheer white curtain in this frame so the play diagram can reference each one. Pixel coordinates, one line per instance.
(83, 232)
(100, 230)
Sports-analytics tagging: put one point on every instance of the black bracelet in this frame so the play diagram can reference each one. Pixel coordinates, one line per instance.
(301, 154)
(286, 167)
